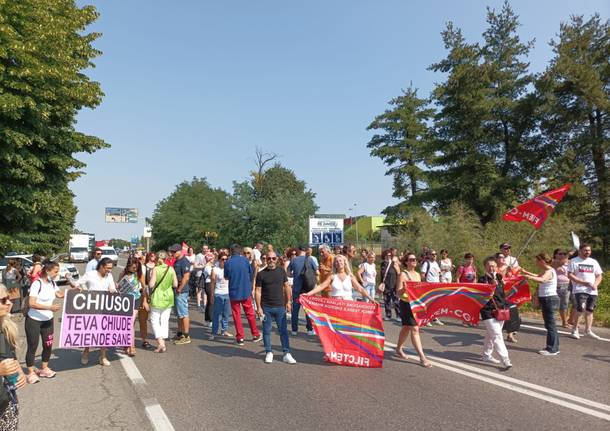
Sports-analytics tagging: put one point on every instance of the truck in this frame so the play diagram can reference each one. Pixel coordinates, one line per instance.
(79, 248)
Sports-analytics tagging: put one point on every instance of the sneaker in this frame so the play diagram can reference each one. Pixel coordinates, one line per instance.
(269, 358)
(227, 334)
(386, 318)
(575, 335)
(183, 340)
(490, 360)
(312, 333)
(438, 322)
(177, 337)
(293, 333)
(211, 338)
(84, 360)
(240, 342)
(398, 319)
(429, 324)
(257, 338)
(593, 335)
(104, 362)
(32, 378)
(507, 364)
(289, 359)
(207, 324)
(545, 352)
(46, 373)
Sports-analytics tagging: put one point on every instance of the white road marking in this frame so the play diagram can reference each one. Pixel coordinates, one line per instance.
(560, 332)
(495, 379)
(131, 369)
(158, 418)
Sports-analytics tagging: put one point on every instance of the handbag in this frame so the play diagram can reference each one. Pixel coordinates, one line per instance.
(500, 314)
(381, 286)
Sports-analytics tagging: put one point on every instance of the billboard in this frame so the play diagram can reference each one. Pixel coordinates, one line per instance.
(327, 231)
(121, 215)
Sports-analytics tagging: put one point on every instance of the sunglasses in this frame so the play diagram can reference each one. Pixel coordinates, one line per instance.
(432, 254)
(98, 254)
(272, 258)
(505, 248)
(4, 300)
(411, 259)
(223, 260)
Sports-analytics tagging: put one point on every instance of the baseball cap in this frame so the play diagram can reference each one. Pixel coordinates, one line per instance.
(174, 248)
(504, 245)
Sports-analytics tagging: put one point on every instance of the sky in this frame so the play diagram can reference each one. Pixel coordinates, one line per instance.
(193, 87)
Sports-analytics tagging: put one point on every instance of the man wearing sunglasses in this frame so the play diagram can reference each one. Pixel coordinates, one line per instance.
(273, 301)
(92, 264)
(511, 261)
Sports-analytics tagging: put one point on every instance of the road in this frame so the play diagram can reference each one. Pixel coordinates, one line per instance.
(218, 385)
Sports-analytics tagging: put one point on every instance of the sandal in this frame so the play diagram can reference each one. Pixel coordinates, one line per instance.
(160, 350)
(146, 345)
(131, 352)
(425, 364)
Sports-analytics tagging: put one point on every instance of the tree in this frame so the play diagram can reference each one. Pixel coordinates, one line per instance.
(404, 146)
(274, 207)
(576, 89)
(191, 212)
(43, 53)
(119, 243)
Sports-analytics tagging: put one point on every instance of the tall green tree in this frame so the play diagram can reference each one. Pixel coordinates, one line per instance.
(576, 89)
(44, 50)
(196, 213)
(274, 206)
(402, 142)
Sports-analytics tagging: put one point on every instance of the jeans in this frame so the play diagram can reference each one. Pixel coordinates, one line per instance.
(279, 315)
(236, 306)
(222, 310)
(370, 289)
(549, 306)
(296, 307)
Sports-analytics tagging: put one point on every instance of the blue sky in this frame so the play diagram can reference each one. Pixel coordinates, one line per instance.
(192, 87)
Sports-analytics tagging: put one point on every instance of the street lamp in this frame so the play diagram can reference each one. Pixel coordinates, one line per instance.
(353, 211)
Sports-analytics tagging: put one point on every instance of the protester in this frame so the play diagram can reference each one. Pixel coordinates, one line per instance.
(35, 269)
(182, 268)
(431, 273)
(295, 270)
(98, 280)
(349, 251)
(257, 252)
(220, 295)
(548, 299)
(150, 262)
(289, 254)
(560, 264)
(39, 321)
(238, 272)
(273, 296)
(511, 261)
(196, 277)
(206, 279)
(342, 283)
(409, 324)
(131, 282)
(586, 276)
(467, 272)
(388, 285)
(512, 325)
(92, 264)
(10, 369)
(10, 275)
(493, 327)
(446, 266)
(367, 274)
(326, 266)
(162, 285)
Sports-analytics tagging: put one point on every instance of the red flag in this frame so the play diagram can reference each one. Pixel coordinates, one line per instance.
(536, 211)
(517, 290)
(458, 300)
(185, 248)
(351, 332)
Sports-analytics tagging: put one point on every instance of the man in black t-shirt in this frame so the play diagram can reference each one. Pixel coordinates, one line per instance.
(273, 297)
(182, 266)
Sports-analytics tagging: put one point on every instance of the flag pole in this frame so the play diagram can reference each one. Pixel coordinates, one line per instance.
(524, 246)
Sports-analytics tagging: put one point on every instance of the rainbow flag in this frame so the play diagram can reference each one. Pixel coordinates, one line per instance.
(517, 290)
(351, 332)
(461, 301)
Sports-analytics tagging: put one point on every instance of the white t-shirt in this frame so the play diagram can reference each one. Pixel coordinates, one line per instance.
(585, 269)
(45, 295)
(257, 255)
(548, 288)
(222, 284)
(207, 273)
(93, 281)
(369, 274)
(433, 273)
(91, 265)
(511, 261)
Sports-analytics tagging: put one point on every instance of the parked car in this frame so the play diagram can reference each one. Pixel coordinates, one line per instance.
(110, 252)
(26, 260)
(64, 268)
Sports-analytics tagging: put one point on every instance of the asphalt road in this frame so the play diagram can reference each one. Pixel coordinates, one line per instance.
(218, 385)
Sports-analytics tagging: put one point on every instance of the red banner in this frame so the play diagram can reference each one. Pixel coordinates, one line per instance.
(461, 301)
(517, 290)
(351, 332)
(536, 211)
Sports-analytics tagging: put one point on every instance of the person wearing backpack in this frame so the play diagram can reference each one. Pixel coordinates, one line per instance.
(302, 269)
(162, 285)
(39, 310)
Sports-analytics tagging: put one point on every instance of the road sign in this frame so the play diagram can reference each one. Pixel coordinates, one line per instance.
(121, 215)
(327, 231)
(147, 232)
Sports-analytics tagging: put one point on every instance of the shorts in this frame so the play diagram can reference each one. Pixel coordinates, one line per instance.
(563, 292)
(584, 301)
(182, 304)
(406, 315)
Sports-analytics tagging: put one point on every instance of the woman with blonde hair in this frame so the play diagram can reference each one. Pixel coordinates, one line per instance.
(11, 374)
(342, 283)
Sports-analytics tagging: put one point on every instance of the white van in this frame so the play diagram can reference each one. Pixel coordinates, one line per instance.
(110, 252)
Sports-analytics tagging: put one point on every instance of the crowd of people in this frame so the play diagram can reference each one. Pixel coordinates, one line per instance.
(262, 283)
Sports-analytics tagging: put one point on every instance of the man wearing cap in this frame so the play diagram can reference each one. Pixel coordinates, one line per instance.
(295, 269)
(182, 267)
(511, 261)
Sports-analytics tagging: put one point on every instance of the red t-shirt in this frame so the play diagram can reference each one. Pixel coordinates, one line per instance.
(467, 274)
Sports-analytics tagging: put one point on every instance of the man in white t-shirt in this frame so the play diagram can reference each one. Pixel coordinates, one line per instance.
(511, 261)
(92, 264)
(431, 273)
(586, 275)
